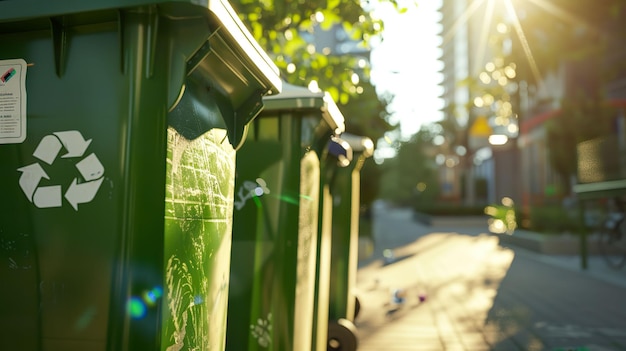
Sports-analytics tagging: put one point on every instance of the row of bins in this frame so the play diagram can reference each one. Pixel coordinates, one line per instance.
(163, 189)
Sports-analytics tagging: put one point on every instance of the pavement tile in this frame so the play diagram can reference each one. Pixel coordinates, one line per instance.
(506, 345)
(472, 338)
(454, 346)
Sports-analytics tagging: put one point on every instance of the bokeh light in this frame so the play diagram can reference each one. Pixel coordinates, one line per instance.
(258, 191)
(354, 78)
(498, 139)
(137, 307)
(319, 16)
(314, 87)
(151, 297)
(479, 102)
(288, 34)
(502, 28)
(485, 78)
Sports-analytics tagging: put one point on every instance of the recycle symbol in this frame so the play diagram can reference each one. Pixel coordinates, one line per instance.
(80, 191)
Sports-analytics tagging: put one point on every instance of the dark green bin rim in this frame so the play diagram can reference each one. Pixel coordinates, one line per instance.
(256, 59)
(293, 97)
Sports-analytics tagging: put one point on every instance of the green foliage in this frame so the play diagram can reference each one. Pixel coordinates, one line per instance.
(552, 220)
(581, 119)
(412, 175)
(503, 216)
(365, 115)
(285, 30)
(442, 209)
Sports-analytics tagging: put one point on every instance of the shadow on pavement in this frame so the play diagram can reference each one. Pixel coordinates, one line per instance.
(468, 292)
(547, 307)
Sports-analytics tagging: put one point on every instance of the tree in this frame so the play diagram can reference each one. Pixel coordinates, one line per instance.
(285, 29)
(365, 116)
(412, 175)
(566, 30)
(579, 120)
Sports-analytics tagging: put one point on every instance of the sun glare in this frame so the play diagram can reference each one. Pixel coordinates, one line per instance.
(522, 38)
(484, 35)
(462, 20)
(557, 12)
(487, 24)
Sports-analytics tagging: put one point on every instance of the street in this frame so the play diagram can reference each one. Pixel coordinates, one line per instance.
(457, 288)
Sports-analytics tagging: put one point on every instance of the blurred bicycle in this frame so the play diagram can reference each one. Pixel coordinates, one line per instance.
(612, 239)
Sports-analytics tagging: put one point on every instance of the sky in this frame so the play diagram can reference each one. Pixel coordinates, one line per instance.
(405, 64)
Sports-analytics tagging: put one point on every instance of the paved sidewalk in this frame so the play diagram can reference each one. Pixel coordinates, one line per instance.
(460, 289)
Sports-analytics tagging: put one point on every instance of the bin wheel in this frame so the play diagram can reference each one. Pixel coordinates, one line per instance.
(342, 336)
(357, 307)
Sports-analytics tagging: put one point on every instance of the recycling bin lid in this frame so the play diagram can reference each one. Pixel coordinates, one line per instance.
(214, 45)
(361, 144)
(221, 13)
(249, 51)
(293, 97)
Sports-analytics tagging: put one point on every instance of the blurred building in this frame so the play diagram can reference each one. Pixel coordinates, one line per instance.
(484, 174)
(592, 66)
(591, 76)
(335, 41)
(542, 104)
(455, 58)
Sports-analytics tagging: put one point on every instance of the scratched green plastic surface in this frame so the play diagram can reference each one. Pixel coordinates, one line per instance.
(95, 278)
(198, 226)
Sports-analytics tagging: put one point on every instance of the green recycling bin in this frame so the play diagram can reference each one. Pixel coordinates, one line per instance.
(345, 190)
(273, 260)
(119, 122)
(339, 155)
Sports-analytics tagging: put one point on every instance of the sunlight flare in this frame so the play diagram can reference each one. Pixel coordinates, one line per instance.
(484, 35)
(524, 41)
(461, 21)
(558, 12)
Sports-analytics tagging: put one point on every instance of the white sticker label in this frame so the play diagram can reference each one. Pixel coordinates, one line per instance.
(12, 101)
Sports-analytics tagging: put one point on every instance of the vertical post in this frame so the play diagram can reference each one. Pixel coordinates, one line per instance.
(470, 183)
(583, 234)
